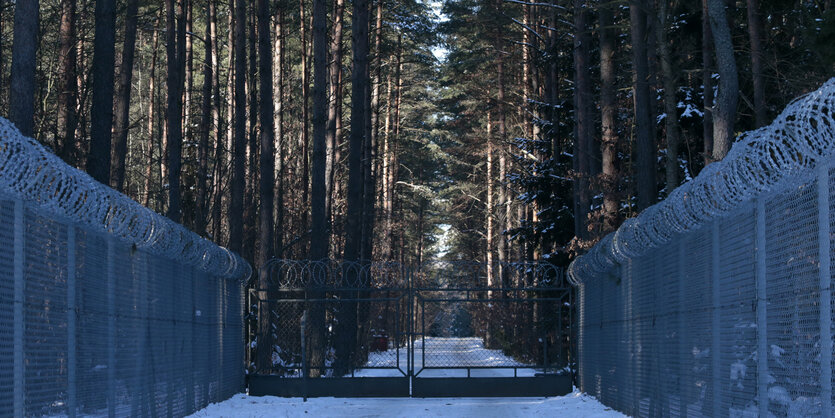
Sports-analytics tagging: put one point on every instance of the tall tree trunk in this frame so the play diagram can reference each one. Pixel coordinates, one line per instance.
(671, 127)
(267, 166)
(583, 124)
(755, 33)
(206, 125)
(334, 107)
(251, 189)
(188, 77)
(239, 138)
(278, 107)
(320, 240)
(122, 106)
(489, 209)
(101, 111)
(707, 82)
(67, 117)
(152, 111)
(724, 111)
(22, 77)
(369, 156)
(218, 168)
(304, 135)
(353, 220)
(645, 140)
(504, 197)
(175, 49)
(608, 108)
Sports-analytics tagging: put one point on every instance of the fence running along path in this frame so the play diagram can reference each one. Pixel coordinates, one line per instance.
(718, 301)
(107, 308)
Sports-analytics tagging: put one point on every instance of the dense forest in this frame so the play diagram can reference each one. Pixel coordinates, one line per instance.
(404, 130)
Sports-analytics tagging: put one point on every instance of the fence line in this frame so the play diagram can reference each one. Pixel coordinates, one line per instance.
(717, 300)
(107, 308)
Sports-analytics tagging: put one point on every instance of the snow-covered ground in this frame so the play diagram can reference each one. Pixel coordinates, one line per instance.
(439, 352)
(446, 352)
(572, 405)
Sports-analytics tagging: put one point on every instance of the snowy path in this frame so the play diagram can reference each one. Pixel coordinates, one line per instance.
(447, 352)
(572, 405)
(440, 352)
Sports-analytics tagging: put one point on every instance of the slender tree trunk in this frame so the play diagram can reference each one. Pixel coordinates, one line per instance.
(267, 165)
(122, 106)
(755, 33)
(369, 157)
(489, 209)
(278, 107)
(101, 112)
(206, 126)
(152, 112)
(174, 82)
(707, 81)
(239, 137)
(583, 124)
(188, 74)
(67, 117)
(608, 108)
(353, 222)
(502, 147)
(645, 141)
(22, 77)
(251, 189)
(320, 240)
(334, 107)
(304, 136)
(724, 111)
(671, 127)
(217, 170)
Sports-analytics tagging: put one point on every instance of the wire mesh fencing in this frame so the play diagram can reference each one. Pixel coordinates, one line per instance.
(718, 300)
(106, 308)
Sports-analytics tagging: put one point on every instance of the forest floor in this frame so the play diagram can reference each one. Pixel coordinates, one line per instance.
(439, 352)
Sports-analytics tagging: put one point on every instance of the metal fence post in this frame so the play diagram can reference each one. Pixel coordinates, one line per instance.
(19, 326)
(762, 320)
(111, 326)
(825, 292)
(681, 267)
(716, 316)
(72, 312)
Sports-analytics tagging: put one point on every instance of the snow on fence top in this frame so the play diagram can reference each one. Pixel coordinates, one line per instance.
(30, 172)
(765, 161)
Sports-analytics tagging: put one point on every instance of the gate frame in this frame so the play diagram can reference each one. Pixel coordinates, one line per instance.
(411, 384)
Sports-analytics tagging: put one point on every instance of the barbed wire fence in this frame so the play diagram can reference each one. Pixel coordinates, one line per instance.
(107, 308)
(718, 301)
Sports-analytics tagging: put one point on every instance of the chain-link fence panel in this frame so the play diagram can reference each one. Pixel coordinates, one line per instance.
(718, 300)
(106, 308)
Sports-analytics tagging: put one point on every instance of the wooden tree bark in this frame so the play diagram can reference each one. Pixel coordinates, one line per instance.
(334, 107)
(645, 140)
(353, 222)
(206, 126)
(305, 129)
(22, 77)
(503, 195)
(152, 92)
(608, 109)
(724, 111)
(755, 33)
(278, 107)
(320, 239)
(267, 167)
(252, 148)
(671, 127)
(101, 111)
(175, 52)
(583, 123)
(67, 116)
(707, 82)
(239, 137)
(122, 105)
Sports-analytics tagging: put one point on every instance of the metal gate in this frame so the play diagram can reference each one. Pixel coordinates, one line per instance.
(439, 329)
